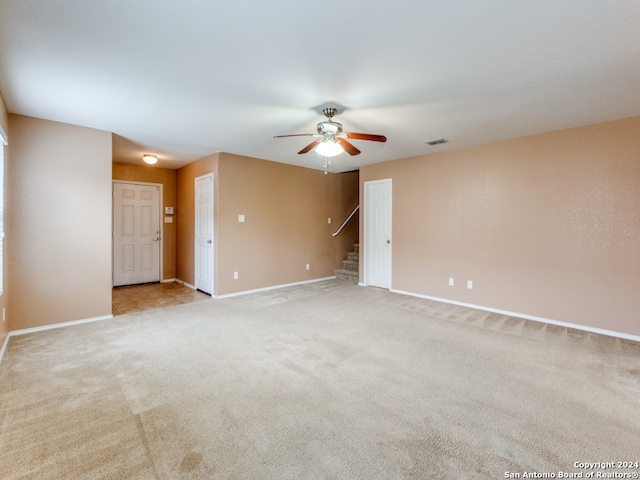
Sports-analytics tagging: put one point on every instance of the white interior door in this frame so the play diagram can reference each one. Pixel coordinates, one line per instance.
(204, 233)
(377, 254)
(136, 233)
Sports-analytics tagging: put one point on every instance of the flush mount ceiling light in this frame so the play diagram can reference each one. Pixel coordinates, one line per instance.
(329, 148)
(149, 159)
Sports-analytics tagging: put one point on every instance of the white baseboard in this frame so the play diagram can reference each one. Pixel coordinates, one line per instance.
(275, 287)
(168, 280)
(4, 346)
(24, 331)
(59, 325)
(576, 326)
(181, 282)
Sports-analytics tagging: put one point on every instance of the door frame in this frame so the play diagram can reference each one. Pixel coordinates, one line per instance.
(160, 222)
(367, 223)
(213, 234)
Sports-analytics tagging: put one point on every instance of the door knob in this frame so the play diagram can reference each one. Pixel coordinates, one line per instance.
(156, 239)
(388, 241)
(209, 241)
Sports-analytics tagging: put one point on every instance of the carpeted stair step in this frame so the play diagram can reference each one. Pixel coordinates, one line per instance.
(350, 275)
(350, 265)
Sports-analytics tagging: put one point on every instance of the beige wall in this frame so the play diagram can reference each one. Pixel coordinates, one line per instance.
(545, 225)
(60, 224)
(4, 304)
(286, 210)
(166, 177)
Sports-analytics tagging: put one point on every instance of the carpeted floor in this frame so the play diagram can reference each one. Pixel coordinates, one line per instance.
(321, 381)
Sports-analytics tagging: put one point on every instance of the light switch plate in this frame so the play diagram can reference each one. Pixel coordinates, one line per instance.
(168, 219)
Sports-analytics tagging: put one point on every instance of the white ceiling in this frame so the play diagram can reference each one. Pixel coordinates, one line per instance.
(190, 78)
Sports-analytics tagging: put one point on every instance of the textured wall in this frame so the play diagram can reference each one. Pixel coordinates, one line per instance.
(60, 223)
(286, 210)
(545, 225)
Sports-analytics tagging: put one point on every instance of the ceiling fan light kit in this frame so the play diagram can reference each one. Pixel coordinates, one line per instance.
(331, 139)
(329, 148)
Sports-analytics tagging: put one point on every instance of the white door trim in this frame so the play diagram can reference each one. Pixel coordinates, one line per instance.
(160, 220)
(367, 226)
(213, 234)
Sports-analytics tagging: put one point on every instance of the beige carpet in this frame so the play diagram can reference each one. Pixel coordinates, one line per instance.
(322, 381)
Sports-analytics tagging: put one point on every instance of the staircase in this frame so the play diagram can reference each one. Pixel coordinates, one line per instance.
(350, 266)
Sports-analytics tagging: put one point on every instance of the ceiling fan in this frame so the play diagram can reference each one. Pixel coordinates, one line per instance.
(331, 140)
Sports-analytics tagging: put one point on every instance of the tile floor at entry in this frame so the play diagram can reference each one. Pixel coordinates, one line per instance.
(138, 298)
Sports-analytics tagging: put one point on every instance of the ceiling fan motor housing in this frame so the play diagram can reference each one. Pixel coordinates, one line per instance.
(329, 128)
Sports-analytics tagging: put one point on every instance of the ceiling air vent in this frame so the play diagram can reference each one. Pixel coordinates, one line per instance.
(436, 141)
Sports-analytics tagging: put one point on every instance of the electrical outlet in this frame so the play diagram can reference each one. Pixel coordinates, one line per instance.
(241, 218)
(307, 266)
(469, 284)
(235, 275)
(450, 282)
(329, 220)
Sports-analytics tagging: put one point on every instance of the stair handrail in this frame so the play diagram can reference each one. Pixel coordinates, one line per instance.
(347, 220)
